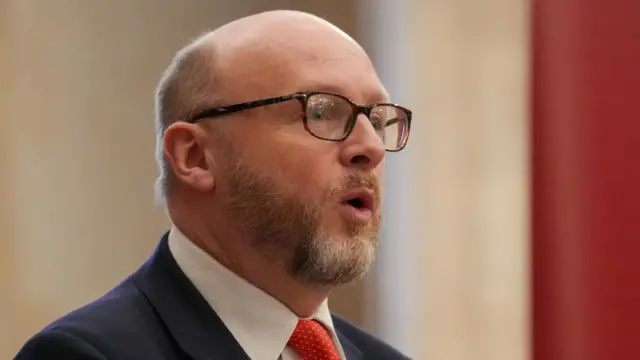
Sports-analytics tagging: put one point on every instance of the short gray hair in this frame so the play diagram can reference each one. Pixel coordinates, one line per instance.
(184, 88)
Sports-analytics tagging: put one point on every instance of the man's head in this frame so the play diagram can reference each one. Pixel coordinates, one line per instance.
(297, 179)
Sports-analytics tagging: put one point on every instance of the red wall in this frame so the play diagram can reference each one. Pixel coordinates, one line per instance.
(586, 179)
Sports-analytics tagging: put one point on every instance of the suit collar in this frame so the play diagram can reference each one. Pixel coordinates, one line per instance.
(187, 316)
(350, 350)
(260, 323)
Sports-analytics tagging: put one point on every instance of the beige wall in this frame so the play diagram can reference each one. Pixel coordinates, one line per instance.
(6, 260)
(467, 67)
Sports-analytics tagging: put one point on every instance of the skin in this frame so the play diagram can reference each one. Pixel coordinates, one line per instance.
(254, 189)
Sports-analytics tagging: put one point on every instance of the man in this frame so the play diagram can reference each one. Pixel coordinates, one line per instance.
(271, 175)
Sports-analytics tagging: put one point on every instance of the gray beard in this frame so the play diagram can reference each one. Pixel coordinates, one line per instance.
(286, 231)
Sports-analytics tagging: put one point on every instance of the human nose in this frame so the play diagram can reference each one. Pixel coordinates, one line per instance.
(363, 148)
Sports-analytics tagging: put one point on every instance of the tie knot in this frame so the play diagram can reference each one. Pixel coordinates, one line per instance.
(312, 341)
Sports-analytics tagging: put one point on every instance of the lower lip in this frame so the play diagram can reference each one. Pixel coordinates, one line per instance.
(359, 215)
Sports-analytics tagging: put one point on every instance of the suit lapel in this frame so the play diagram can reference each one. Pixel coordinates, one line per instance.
(188, 317)
(350, 350)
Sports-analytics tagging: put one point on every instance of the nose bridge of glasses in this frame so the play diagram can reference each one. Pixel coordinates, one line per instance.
(362, 109)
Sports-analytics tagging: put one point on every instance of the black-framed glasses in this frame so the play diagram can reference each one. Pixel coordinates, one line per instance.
(332, 117)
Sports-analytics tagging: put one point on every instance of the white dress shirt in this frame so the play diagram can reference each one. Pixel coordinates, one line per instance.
(261, 324)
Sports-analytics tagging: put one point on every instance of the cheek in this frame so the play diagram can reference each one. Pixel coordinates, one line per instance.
(380, 174)
(306, 166)
(310, 177)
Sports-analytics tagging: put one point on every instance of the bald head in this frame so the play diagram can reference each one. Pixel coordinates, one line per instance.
(275, 48)
(279, 30)
(261, 55)
(268, 23)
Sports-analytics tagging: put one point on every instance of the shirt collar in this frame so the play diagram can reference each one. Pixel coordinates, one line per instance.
(261, 324)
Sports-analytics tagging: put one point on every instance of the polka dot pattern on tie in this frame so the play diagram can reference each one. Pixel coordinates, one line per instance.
(312, 341)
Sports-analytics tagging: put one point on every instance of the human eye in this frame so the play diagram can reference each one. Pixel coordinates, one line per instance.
(377, 121)
(315, 112)
(326, 108)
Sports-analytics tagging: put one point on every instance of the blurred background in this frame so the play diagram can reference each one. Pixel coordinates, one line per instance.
(510, 218)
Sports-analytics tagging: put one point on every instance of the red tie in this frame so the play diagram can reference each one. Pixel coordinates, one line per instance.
(312, 342)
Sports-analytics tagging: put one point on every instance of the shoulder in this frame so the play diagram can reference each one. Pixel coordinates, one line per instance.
(106, 328)
(56, 343)
(364, 341)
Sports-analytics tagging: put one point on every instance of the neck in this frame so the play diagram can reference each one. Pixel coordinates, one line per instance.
(272, 278)
(239, 257)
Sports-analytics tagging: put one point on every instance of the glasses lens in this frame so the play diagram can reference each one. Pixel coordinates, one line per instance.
(328, 116)
(392, 125)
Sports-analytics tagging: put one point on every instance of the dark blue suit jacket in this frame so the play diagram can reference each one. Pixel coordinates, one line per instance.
(157, 313)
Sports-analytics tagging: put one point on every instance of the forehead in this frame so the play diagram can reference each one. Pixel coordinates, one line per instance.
(305, 60)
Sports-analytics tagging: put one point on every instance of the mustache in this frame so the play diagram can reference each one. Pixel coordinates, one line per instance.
(356, 181)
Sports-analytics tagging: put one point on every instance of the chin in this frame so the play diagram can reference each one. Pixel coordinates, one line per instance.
(359, 247)
(335, 256)
(349, 231)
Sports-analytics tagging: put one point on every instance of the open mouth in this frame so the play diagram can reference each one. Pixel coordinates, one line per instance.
(360, 200)
(356, 203)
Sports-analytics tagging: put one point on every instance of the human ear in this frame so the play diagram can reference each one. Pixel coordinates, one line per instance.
(184, 150)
